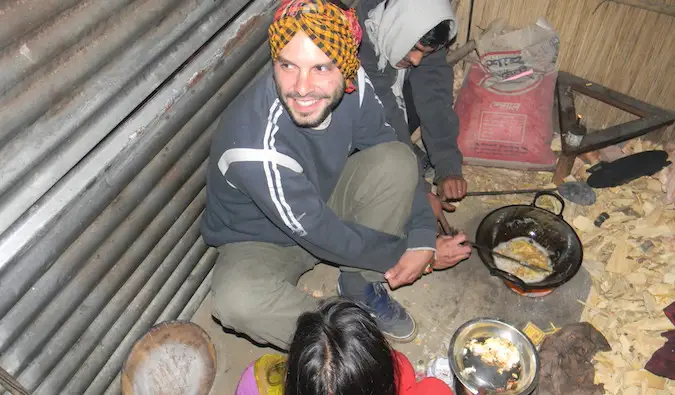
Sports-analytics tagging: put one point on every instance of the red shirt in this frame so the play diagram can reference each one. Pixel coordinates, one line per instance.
(409, 386)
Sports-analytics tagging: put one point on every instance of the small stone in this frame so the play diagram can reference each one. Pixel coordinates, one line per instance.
(646, 246)
(601, 218)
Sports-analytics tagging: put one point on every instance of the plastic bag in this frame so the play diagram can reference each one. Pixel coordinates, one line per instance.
(440, 368)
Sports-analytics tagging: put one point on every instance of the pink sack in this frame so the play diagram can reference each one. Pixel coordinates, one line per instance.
(507, 124)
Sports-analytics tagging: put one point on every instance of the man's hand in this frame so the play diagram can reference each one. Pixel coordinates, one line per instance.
(450, 251)
(409, 268)
(452, 188)
(439, 206)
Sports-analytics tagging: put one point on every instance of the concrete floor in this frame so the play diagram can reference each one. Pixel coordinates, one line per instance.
(440, 302)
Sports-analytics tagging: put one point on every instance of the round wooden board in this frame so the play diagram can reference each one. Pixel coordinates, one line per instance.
(172, 358)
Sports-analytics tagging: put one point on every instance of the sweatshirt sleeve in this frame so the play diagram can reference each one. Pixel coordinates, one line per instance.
(431, 84)
(285, 195)
(382, 82)
(373, 129)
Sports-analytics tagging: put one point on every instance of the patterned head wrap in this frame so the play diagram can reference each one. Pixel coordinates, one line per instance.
(336, 32)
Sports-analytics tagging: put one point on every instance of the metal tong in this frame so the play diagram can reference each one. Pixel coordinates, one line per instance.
(454, 232)
(521, 263)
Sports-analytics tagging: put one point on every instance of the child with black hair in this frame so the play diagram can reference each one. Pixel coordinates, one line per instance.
(338, 350)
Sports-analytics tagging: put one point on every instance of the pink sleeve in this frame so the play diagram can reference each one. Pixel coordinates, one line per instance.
(407, 385)
(432, 386)
(406, 374)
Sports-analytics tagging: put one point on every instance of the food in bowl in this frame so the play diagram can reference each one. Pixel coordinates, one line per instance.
(495, 351)
(496, 355)
(526, 250)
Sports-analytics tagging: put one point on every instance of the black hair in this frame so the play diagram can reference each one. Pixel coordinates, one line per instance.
(339, 350)
(437, 37)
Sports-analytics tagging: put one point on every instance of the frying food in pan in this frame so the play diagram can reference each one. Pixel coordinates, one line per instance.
(527, 250)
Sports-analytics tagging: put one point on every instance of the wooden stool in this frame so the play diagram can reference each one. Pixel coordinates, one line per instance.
(573, 137)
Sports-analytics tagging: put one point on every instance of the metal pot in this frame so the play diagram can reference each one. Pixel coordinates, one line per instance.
(543, 226)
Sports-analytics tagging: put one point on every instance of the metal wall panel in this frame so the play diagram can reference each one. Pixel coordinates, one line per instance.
(107, 108)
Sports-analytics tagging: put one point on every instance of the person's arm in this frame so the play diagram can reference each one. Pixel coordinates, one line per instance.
(381, 80)
(431, 84)
(373, 129)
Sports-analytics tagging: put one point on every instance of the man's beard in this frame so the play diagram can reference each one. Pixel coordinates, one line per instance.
(312, 121)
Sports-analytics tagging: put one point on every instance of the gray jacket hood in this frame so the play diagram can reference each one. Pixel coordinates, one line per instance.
(396, 29)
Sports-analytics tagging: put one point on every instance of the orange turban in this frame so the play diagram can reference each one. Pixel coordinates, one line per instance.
(336, 32)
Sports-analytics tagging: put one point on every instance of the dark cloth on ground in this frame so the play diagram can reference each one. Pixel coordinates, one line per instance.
(662, 362)
(566, 366)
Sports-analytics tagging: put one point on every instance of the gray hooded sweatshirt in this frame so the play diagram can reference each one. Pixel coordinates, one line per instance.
(389, 33)
(269, 180)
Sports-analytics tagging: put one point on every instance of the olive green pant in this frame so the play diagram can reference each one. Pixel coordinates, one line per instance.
(254, 283)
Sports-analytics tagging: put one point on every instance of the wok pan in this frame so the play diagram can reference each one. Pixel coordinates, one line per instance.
(543, 226)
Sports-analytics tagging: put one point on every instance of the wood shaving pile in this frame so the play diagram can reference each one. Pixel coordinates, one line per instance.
(631, 258)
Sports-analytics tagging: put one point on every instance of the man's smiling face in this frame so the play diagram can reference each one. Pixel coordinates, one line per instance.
(308, 83)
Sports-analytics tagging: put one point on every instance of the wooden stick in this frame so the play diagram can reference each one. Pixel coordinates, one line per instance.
(458, 54)
(568, 117)
(416, 136)
(649, 5)
(11, 384)
(597, 310)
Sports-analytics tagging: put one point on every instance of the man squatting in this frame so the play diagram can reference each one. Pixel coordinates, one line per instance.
(305, 168)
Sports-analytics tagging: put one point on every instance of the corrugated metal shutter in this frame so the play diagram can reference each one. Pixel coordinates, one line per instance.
(107, 108)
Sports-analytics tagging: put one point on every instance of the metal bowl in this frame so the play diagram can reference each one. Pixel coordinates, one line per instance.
(488, 327)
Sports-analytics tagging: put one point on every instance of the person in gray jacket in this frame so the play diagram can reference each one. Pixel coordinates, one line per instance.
(304, 168)
(402, 53)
